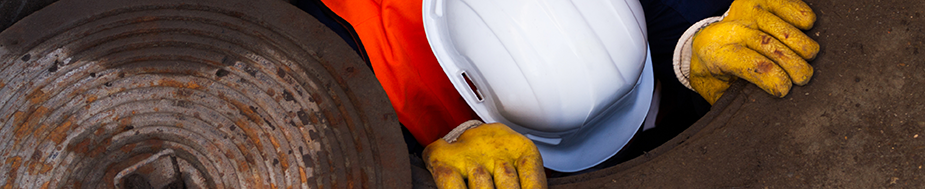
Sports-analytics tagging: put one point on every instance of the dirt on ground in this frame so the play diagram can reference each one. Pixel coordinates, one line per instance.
(858, 124)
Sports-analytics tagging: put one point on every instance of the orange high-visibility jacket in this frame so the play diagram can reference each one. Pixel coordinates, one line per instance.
(392, 33)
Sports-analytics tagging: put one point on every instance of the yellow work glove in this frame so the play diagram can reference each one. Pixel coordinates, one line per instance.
(488, 155)
(759, 41)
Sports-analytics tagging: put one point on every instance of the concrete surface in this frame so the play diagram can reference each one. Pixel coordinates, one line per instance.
(858, 124)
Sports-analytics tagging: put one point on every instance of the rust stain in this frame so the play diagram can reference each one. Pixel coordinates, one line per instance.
(18, 118)
(126, 120)
(27, 127)
(349, 174)
(302, 175)
(60, 133)
(45, 168)
(274, 142)
(249, 132)
(253, 137)
(38, 167)
(2, 84)
(31, 166)
(364, 178)
(101, 147)
(11, 177)
(244, 109)
(156, 144)
(45, 186)
(282, 156)
(40, 131)
(80, 147)
(314, 119)
(282, 160)
(91, 99)
(316, 98)
(128, 147)
(99, 131)
(177, 84)
(192, 85)
(348, 122)
(331, 117)
(243, 166)
(76, 184)
(37, 96)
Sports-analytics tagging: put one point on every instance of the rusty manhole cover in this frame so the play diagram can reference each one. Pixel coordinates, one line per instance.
(214, 94)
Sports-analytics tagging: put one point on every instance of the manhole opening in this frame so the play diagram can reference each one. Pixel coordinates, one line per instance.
(163, 170)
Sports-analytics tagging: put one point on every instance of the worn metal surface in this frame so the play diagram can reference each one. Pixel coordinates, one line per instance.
(235, 93)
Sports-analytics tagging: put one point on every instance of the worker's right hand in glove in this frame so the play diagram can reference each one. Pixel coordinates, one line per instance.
(488, 156)
(758, 40)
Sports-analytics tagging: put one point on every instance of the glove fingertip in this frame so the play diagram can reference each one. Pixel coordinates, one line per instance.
(780, 91)
(802, 80)
(446, 177)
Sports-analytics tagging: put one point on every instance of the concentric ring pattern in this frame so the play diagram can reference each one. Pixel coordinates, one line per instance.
(217, 93)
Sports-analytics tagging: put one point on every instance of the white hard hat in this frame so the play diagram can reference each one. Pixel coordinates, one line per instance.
(574, 76)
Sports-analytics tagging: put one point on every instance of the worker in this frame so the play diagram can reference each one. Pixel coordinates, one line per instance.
(565, 85)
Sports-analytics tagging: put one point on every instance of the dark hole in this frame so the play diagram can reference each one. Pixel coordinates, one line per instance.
(221, 73)
(92, 74)
(54, 67)
(26, 57)
(135, 181)
(478, 94)
(280, 72)
(303, 116)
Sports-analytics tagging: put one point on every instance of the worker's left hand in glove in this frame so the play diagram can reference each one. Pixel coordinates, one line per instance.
(488, 155)
(758, 40)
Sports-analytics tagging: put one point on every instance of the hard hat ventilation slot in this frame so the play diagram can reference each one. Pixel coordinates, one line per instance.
(472, 87)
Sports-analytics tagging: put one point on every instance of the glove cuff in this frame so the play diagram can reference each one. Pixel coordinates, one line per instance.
(683, 50)
(454, 134)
